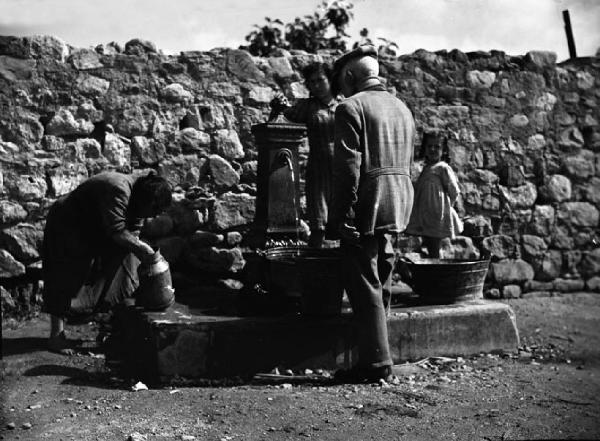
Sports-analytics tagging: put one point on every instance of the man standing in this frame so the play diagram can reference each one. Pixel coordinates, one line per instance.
(373, 196)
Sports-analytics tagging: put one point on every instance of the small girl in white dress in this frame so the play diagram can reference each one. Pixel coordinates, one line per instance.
(433, 216)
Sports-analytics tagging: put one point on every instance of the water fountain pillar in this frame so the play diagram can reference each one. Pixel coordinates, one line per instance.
(278, 180)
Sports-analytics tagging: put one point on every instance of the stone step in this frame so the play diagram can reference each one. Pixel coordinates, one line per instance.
(189, 343)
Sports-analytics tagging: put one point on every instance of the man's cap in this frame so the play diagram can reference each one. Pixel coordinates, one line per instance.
(366, 50)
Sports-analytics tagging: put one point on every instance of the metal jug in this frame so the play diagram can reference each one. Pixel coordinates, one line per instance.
(155, 292)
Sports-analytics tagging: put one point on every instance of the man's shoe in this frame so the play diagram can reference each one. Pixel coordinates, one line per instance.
(358, 375)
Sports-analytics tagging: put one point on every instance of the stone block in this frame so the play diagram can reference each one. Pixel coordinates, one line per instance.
(116, 151)
(23, 241)
(460, 247)
(585, 80)
(9, 266)
(241, 64)
(568, 285)
(590, 263)
(90, 85)
(249, 171)
(234, 238)
(546, 101)
(65, 178)
(499, 246)
(519, 121)
(89, 148)
(147, 151)
(260, 95)
(27, 187)
(492, 293)
(578, 214)
(540, 59)
(281, 66)
(511, 291)
(138, 46)
(11, 212)
(227, 144)
(194, 141)
(536, 143)
(561, 239)
(63, 123)
(15, 69)
(216, 260)
(580, 166)
(46, 46)
(203, 239)
(478, 226)
(511, 271)
(558, 188)
(549, 267)
(480, 80)
(536, 285)
(523, 196)
(571, 140)
(234, 210)
(593, 284)
(85, 59)
(533, 247)
(176, 93)
(223, 174)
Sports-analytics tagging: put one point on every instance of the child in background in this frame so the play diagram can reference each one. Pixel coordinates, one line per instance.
(433, 216)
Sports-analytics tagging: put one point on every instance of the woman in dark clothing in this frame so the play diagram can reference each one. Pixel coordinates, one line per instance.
(317, 112)
(91, 248)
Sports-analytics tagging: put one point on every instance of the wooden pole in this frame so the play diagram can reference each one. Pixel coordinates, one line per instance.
(569, 32)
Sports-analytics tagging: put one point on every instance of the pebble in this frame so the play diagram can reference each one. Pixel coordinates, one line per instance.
(136, 436)
(26, 426)
(289, 372)
(11, 426)
(286, 386)
(188, 437)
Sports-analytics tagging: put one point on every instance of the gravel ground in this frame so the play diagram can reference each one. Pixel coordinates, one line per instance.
(550, 390)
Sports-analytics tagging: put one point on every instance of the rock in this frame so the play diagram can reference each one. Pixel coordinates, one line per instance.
(223, 174)
(137, 46)
(511, 291)
(523, 196)
(533, 247)
(234, 210)
(15, 69)
(194, 141)
(11, 212)
(499, 246)
(480, 80)
(234, 238)
(63, 123)
(53, 143)
(23, 241)
(227, 144)
(536, 143)
(571, 140)
(9, 266)
(46, 46)
(27, 187)
(136, 436)
(281, 66)
(241, 64)
(540, 59)
(217, 260)
(159, 226)
(492, 293)
(580, 166)
(536, 285)
(249, 171)
(545, 101)
(116, 151)
(590, 263)
(593, 284)
(175, 169)
(203, 239)
(557, 189)
(231, 284)
(298, 90)
(579, 214)
(568, 285)
(561, 239)
(511, 271)
(90, 85)
(460, 247)
(477, 226)
(89, 148)
(65, 178)
(85, 59)
(147, 151)
(550, 266)
(186, 220)
(585, 80)
(7, 301)
(519, 120)
(260, 95)
(176, 93)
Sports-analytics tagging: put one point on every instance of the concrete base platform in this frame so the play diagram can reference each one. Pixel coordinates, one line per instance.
(187, 343)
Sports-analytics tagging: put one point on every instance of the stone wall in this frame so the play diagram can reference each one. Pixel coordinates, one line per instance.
(523, 138)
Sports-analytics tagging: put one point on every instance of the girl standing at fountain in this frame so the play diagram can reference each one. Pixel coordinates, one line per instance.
(317, 112)
(433, 216)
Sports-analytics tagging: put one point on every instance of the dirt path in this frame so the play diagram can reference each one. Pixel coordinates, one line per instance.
(551, 391)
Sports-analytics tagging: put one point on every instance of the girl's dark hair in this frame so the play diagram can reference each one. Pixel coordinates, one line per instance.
(438, 137)
(151, 190)
(314, 68)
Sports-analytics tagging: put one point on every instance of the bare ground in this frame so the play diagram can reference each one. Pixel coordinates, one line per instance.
(550, 391)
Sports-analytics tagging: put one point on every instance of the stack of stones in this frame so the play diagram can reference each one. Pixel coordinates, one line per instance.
(523, 138)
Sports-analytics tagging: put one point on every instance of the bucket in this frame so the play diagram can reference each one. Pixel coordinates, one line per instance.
(321, 286)
(155, 292)
(282, 272)
(446, 281)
